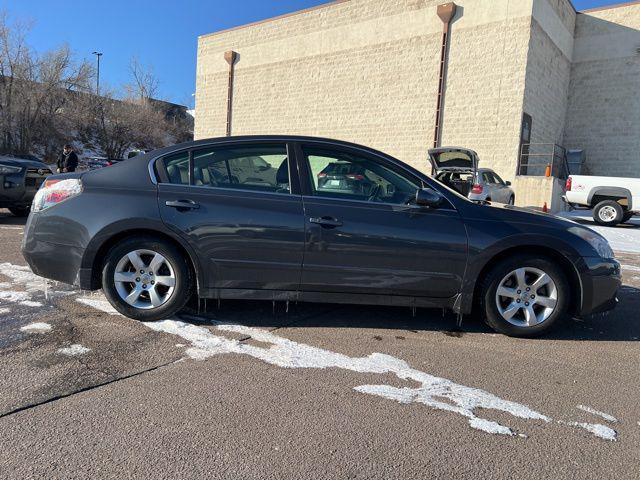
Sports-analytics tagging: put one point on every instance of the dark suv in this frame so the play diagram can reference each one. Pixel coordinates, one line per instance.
(181, 223)
(19, 181)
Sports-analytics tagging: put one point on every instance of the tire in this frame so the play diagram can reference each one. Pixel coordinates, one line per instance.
(627, 216)
(170, 295)
(20, 211)
(608, 213)
(512, 200)
(554, 297)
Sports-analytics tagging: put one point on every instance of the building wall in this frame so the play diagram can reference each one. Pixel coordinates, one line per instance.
(367, 71)
(603, 115)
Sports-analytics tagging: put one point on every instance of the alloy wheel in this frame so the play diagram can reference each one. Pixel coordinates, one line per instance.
(144, 279)
(526, 297)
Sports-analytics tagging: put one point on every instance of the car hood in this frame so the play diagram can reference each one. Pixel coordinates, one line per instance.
(18, 162)
(502, 212)
(453, 159)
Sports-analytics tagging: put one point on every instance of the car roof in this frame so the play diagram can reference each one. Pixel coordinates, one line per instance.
(268, 138)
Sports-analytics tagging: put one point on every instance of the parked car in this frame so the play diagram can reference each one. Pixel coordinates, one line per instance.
(458, 168)
(345, 176)
(19, 181)
(166, 237)
(93, 163)
(614, 200)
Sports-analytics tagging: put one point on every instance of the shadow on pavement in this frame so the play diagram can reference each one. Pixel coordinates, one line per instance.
(617, 325)
(7, 218)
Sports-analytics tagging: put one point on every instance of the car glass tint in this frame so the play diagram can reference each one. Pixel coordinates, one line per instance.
(261, 168)
(346, 176)
(177, 168)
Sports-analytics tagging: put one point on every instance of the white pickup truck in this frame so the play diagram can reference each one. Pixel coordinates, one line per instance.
(613, 199)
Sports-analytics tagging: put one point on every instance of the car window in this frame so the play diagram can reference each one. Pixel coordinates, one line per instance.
(177, 168)
(347, 176)
(498, 179)
(487, 177)
(262, 168)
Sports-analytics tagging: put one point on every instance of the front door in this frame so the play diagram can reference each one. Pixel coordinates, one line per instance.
(363, 235)
(236, 207)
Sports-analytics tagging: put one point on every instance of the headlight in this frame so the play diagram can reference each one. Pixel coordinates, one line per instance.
(597, 241)
(9, 169)
(53, 192)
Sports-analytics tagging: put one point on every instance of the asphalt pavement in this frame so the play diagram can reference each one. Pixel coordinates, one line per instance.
(251, 390)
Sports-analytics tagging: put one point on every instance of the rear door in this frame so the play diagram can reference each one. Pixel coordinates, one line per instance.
(244, 221)
(373, 241)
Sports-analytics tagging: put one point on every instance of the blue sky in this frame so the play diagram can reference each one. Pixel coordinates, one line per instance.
(160, 33)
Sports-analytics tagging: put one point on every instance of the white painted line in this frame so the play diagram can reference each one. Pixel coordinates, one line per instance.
(606, 416)
(39, 327)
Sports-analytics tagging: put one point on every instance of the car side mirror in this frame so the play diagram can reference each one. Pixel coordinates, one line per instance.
(507, 183)
(428, 197)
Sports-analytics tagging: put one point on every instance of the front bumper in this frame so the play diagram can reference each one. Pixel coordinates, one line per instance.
(601, 279)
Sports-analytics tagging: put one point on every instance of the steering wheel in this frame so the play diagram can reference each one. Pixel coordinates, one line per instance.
(375, 193)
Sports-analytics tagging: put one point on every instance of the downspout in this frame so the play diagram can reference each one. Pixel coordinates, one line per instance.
(446, 12)
(230, 57)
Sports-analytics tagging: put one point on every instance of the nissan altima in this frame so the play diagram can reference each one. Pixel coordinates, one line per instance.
(247, 217)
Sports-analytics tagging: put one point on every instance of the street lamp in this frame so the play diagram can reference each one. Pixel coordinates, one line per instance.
(98, 55)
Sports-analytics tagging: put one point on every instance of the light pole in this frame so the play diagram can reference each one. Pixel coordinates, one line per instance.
(98, 55)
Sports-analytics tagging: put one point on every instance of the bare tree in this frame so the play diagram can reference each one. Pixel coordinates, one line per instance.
(37, 92)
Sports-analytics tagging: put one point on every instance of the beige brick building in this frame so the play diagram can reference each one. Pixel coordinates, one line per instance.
(367, 71)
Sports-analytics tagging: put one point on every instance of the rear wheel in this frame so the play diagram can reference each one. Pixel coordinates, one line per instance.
(525, 295)
(146, 279)
(512, 200)
(608, 212)
(20, 211)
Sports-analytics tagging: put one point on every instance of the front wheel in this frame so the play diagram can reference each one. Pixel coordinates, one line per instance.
(146, 278)
(525, 296)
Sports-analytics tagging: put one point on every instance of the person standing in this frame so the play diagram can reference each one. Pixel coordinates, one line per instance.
(68, 161)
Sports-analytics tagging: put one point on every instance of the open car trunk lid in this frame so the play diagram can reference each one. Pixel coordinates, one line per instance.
(453, 159)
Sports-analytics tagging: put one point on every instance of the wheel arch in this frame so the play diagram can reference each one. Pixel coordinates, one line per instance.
(95, 256)
(565, 263)
(598, 194)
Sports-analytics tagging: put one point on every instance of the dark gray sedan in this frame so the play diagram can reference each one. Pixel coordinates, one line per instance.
(161, 227)
(20, 179)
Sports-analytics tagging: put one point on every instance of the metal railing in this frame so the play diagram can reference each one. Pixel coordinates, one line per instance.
(543, 159)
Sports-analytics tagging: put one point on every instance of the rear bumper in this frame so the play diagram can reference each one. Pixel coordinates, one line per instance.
(601, 280)
(51, 260)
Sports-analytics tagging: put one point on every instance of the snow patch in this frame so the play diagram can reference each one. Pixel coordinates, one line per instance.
(99, 304)
(599, 430)
(39, 327)
(4, 310)
(435, 392)
(632, 268)
(606, 416)
(75, 349)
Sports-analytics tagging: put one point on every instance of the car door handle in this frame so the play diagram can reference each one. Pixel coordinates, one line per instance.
(182, 204)
(329, 222)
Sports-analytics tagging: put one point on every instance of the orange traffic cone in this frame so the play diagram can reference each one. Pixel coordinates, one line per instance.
(545, 209)
(547, 171)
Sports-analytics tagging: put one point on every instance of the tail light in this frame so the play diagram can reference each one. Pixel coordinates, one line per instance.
(53, 192)
(477, 188)
(567, 185)
(322, 175)
(355, 176)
